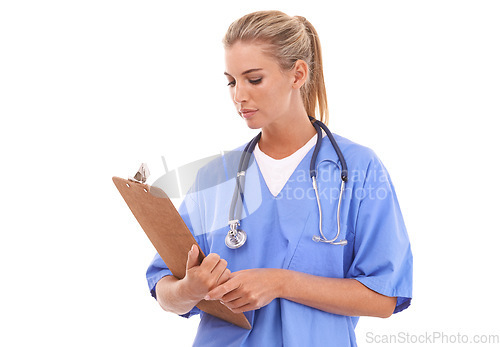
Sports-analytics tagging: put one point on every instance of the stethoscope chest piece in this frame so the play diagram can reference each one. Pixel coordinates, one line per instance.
(235, 238)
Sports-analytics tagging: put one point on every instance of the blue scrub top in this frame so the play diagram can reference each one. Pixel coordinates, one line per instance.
(280, 231)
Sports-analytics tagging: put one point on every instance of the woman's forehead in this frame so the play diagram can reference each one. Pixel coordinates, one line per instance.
(243, 56)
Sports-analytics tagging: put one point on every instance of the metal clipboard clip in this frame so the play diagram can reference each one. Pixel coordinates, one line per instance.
(142, 174)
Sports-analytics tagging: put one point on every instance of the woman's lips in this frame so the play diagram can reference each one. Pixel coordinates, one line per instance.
(247, 113)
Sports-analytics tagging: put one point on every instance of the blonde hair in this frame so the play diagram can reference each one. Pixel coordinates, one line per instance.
(287, 39)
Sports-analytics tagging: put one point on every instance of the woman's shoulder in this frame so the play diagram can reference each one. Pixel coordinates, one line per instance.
(363, 164)
(354, 151)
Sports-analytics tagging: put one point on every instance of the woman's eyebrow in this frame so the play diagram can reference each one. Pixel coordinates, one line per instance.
(245, 72)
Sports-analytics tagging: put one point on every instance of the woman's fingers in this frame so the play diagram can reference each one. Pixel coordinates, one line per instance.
(210, 262)
(218, 292)
(219, 268)
(231, 296)
(224, 276)
(235, 303)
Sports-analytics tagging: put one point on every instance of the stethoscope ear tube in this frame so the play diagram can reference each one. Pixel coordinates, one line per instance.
(318, 125)
(323, 238)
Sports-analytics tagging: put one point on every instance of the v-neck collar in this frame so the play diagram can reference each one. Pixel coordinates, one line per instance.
(305, 173)
(301, 166)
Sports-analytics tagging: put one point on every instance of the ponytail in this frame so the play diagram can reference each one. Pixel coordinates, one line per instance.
(314, 93)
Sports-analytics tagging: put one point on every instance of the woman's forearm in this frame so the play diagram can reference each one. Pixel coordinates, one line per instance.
(344, 296)
(172, 297)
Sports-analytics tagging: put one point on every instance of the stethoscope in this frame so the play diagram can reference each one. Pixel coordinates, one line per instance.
(237, 237)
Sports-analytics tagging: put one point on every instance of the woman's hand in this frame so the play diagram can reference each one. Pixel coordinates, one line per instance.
(201, 278)
(248, 290)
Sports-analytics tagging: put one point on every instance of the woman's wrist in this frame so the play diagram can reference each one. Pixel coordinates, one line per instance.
(173, 297)
(282, 278)
(183, 292)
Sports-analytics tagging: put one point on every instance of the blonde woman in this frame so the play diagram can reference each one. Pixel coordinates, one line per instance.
(317, 238)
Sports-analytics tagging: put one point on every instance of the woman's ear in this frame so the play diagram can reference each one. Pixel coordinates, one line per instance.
(300, 74)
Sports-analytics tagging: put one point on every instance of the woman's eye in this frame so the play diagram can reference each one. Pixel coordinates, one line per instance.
(257, 81)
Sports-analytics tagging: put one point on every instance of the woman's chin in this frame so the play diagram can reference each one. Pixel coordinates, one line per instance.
(252, 124)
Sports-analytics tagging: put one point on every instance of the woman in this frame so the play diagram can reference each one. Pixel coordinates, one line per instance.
(294, 291)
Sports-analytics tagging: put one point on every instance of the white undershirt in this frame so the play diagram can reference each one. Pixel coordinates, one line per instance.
(276, 172)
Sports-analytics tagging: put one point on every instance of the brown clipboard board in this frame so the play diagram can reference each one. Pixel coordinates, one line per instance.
(170, 236)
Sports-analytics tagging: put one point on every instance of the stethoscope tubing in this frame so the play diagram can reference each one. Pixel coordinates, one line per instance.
(318, 124)
(240, 178)
(236, 238)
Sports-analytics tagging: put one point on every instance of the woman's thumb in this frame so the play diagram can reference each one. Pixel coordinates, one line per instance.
(192, 257)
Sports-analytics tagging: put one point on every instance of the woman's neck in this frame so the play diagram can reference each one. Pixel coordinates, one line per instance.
(281, 140)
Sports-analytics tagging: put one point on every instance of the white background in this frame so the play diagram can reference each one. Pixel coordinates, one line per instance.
(90, 89)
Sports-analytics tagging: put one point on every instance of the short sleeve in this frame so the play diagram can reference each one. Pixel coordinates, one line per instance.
(157, 269)
(383, 259)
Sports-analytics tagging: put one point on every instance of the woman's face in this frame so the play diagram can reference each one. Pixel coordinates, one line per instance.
(261, 92)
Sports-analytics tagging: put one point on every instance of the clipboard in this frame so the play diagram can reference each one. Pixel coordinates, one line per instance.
(170, 236)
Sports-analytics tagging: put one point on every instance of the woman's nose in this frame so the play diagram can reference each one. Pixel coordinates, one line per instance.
(239, 95)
